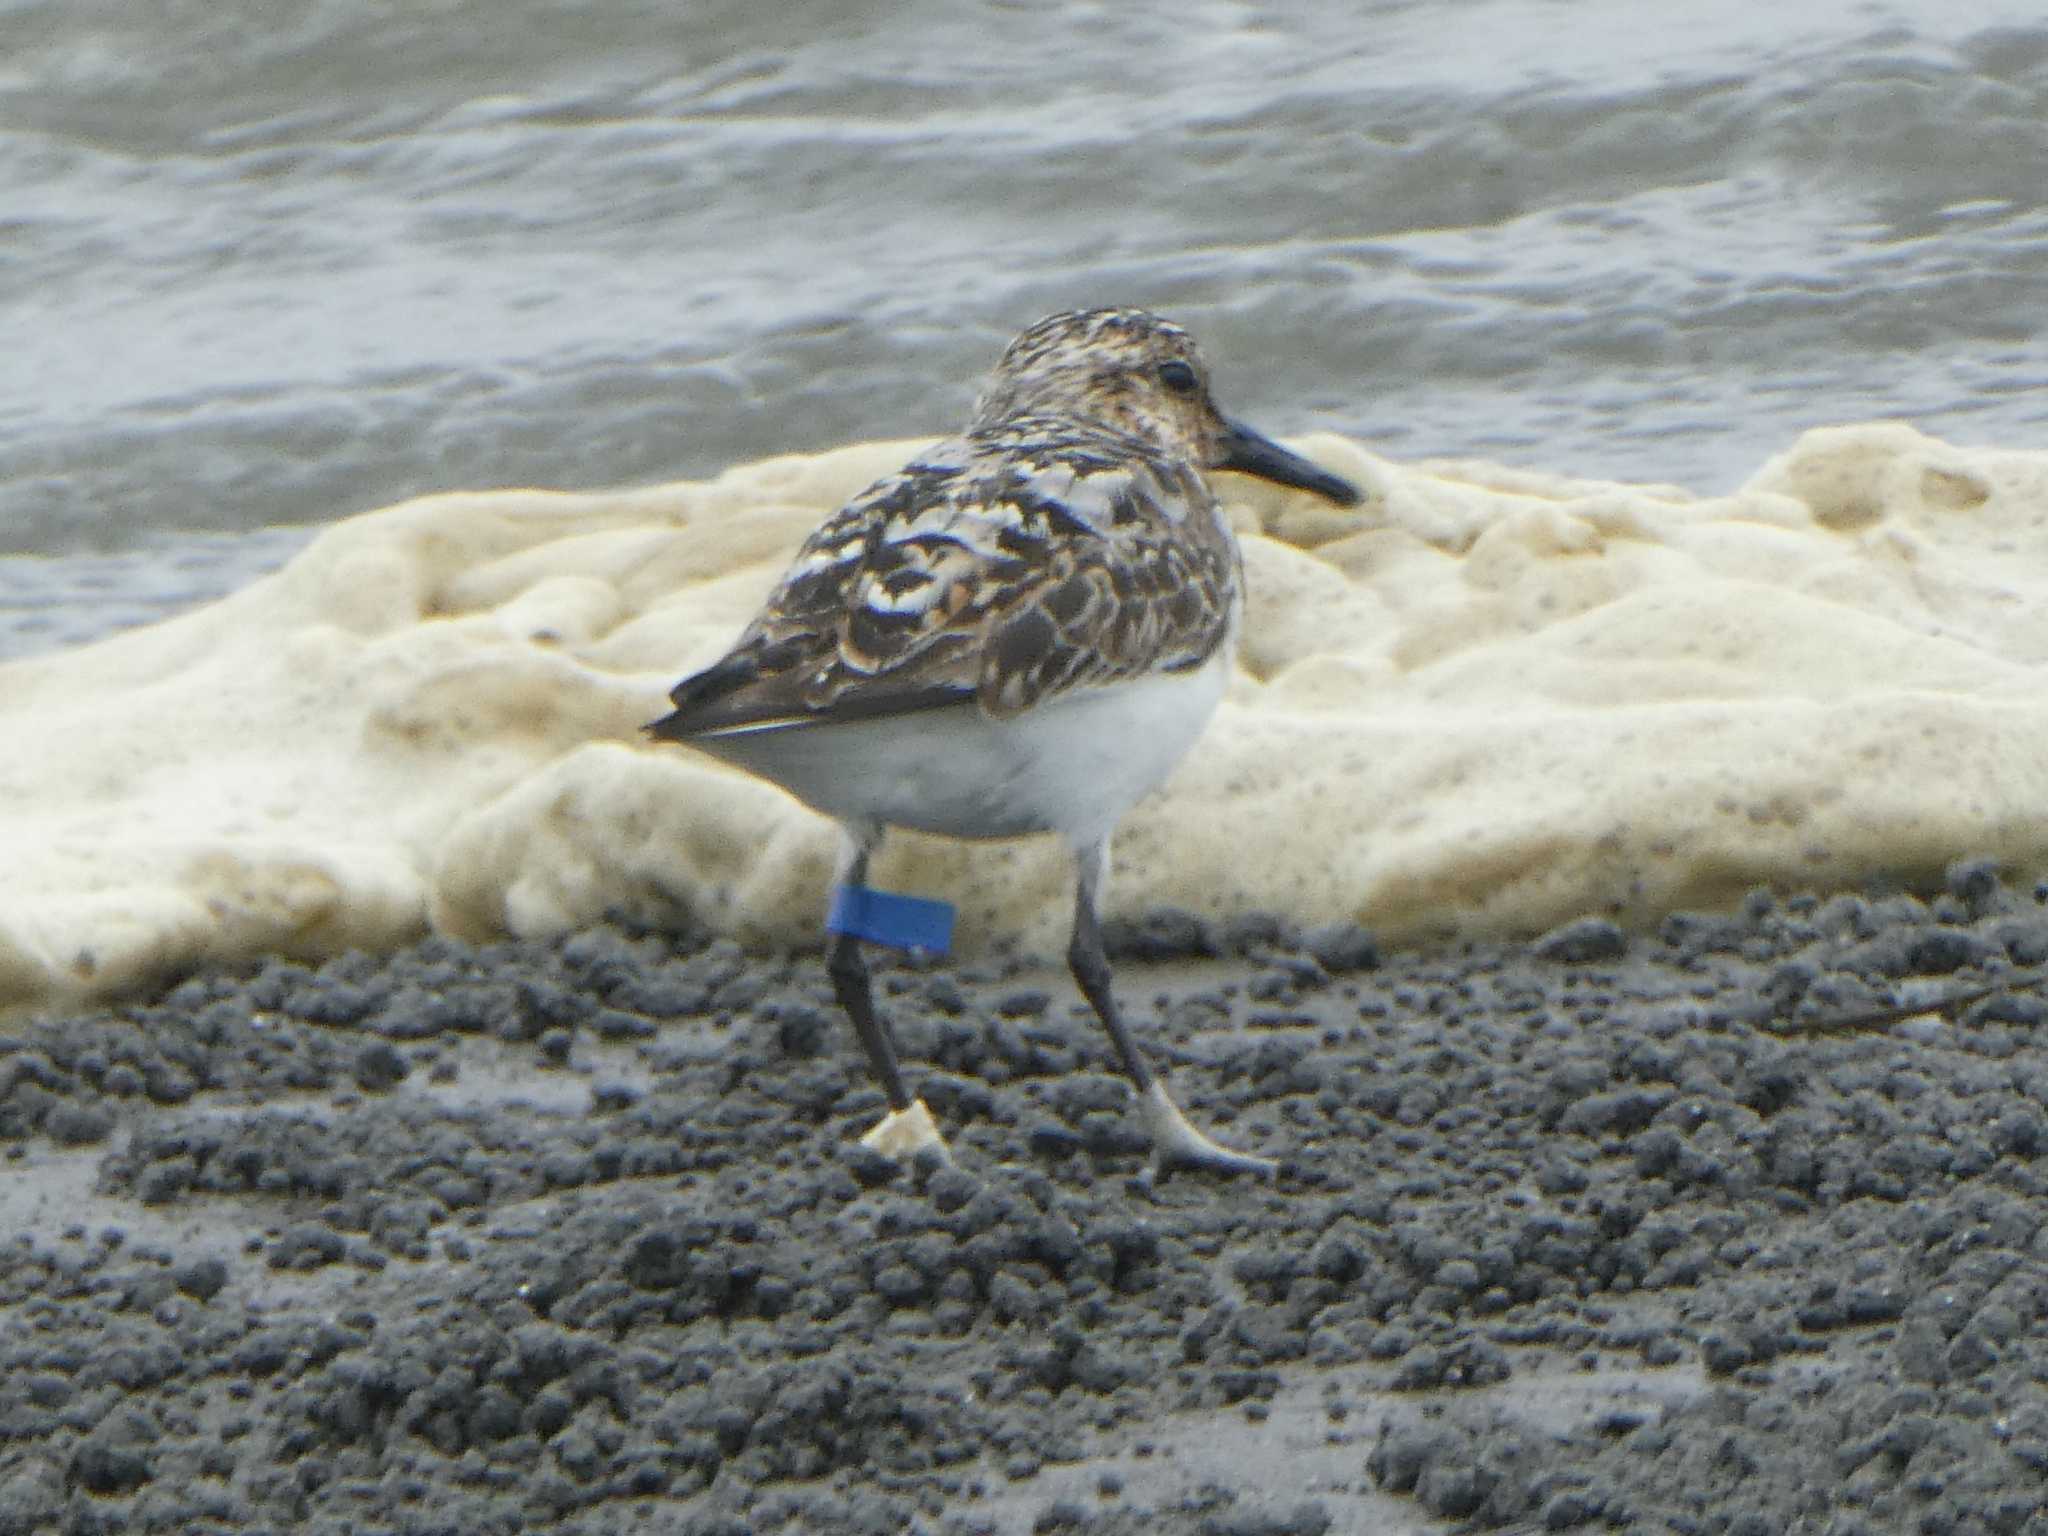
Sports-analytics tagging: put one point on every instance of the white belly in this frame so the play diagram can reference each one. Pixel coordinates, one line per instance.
(1073, 765)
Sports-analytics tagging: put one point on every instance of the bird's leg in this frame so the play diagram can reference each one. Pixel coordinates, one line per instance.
(908, 1127)
(1174, 1140)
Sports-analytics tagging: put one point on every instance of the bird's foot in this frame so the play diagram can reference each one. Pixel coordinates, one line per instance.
(1177, 1144)
(905, 1133)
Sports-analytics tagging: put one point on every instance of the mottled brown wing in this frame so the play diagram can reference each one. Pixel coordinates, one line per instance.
(1104, 610)
(987, 574)
(794, 643)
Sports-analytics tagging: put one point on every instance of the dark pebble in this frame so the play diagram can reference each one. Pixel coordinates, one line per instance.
(1164, 933)
(379, 1067)
(106, 1469)
(78, 1125)
(307, 1245)
(1586, 941)
(871, 1169)
(203, 1279)
(1254, 930)
(1974, 882)
(613, 1024)
(1340, 948)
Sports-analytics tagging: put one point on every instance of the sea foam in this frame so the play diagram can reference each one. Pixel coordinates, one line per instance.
(1482, 702)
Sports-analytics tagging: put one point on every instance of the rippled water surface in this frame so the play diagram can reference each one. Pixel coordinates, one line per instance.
(271, 264)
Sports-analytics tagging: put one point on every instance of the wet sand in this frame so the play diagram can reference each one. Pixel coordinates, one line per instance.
(1600, 1232)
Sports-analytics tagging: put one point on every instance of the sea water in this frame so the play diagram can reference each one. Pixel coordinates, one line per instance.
(263, 267)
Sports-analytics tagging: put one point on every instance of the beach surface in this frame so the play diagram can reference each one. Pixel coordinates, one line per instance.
(1599, 1232)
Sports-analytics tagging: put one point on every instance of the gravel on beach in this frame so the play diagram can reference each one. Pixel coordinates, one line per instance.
(1602, 1232)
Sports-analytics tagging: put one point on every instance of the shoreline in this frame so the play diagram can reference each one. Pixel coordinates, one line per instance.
(1587, 1232)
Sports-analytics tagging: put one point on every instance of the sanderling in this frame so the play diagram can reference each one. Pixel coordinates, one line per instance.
(1023, 630)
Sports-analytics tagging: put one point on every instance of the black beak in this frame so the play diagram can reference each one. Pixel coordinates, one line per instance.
(1245, 451)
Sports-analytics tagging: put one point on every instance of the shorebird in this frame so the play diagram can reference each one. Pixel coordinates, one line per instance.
(1021, 631)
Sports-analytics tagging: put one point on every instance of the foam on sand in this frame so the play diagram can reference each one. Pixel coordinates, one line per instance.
(1484, 701)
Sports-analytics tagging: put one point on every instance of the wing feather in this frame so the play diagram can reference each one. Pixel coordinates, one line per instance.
(993, 571)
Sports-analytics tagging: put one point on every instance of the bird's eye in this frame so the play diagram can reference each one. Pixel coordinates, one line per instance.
(1178, 377)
